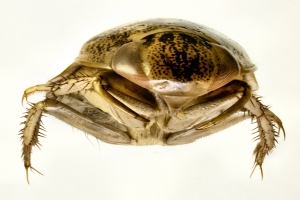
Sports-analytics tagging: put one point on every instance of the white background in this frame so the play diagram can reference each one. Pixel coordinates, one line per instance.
(39, 39)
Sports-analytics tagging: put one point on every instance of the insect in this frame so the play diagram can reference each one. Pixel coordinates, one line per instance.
(154, 82)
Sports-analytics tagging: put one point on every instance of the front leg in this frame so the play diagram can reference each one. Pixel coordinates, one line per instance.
(65, 87)
(82, 84)
(269, 126)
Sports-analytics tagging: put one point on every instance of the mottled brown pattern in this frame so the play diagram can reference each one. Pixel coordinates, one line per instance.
(97, 48)
(178, 56)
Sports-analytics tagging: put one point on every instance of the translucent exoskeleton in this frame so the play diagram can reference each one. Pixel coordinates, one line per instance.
(154, 82)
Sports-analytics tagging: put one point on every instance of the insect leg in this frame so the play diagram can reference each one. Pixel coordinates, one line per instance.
(132, 103)
(269, 126)
(234, 108)
(188, 136)
(209, 108)
(62, 88)
(31, 132)
(32, 126)
(113, 101)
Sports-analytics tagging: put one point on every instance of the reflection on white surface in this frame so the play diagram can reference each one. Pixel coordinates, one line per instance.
(39, 39)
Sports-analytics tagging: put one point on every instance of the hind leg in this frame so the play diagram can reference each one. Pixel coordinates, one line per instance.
(104, 130)
(269, 126)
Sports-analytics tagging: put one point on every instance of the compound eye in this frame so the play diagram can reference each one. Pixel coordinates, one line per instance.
(228, 67)
(127, 63)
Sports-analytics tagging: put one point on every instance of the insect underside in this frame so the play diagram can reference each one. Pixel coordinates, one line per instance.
(157, 82)
(74, 109)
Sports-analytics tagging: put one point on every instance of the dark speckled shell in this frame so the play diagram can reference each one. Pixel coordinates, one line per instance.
(178, 56)
(99, 50)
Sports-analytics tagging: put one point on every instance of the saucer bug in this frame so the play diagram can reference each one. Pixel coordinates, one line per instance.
(154, 82)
